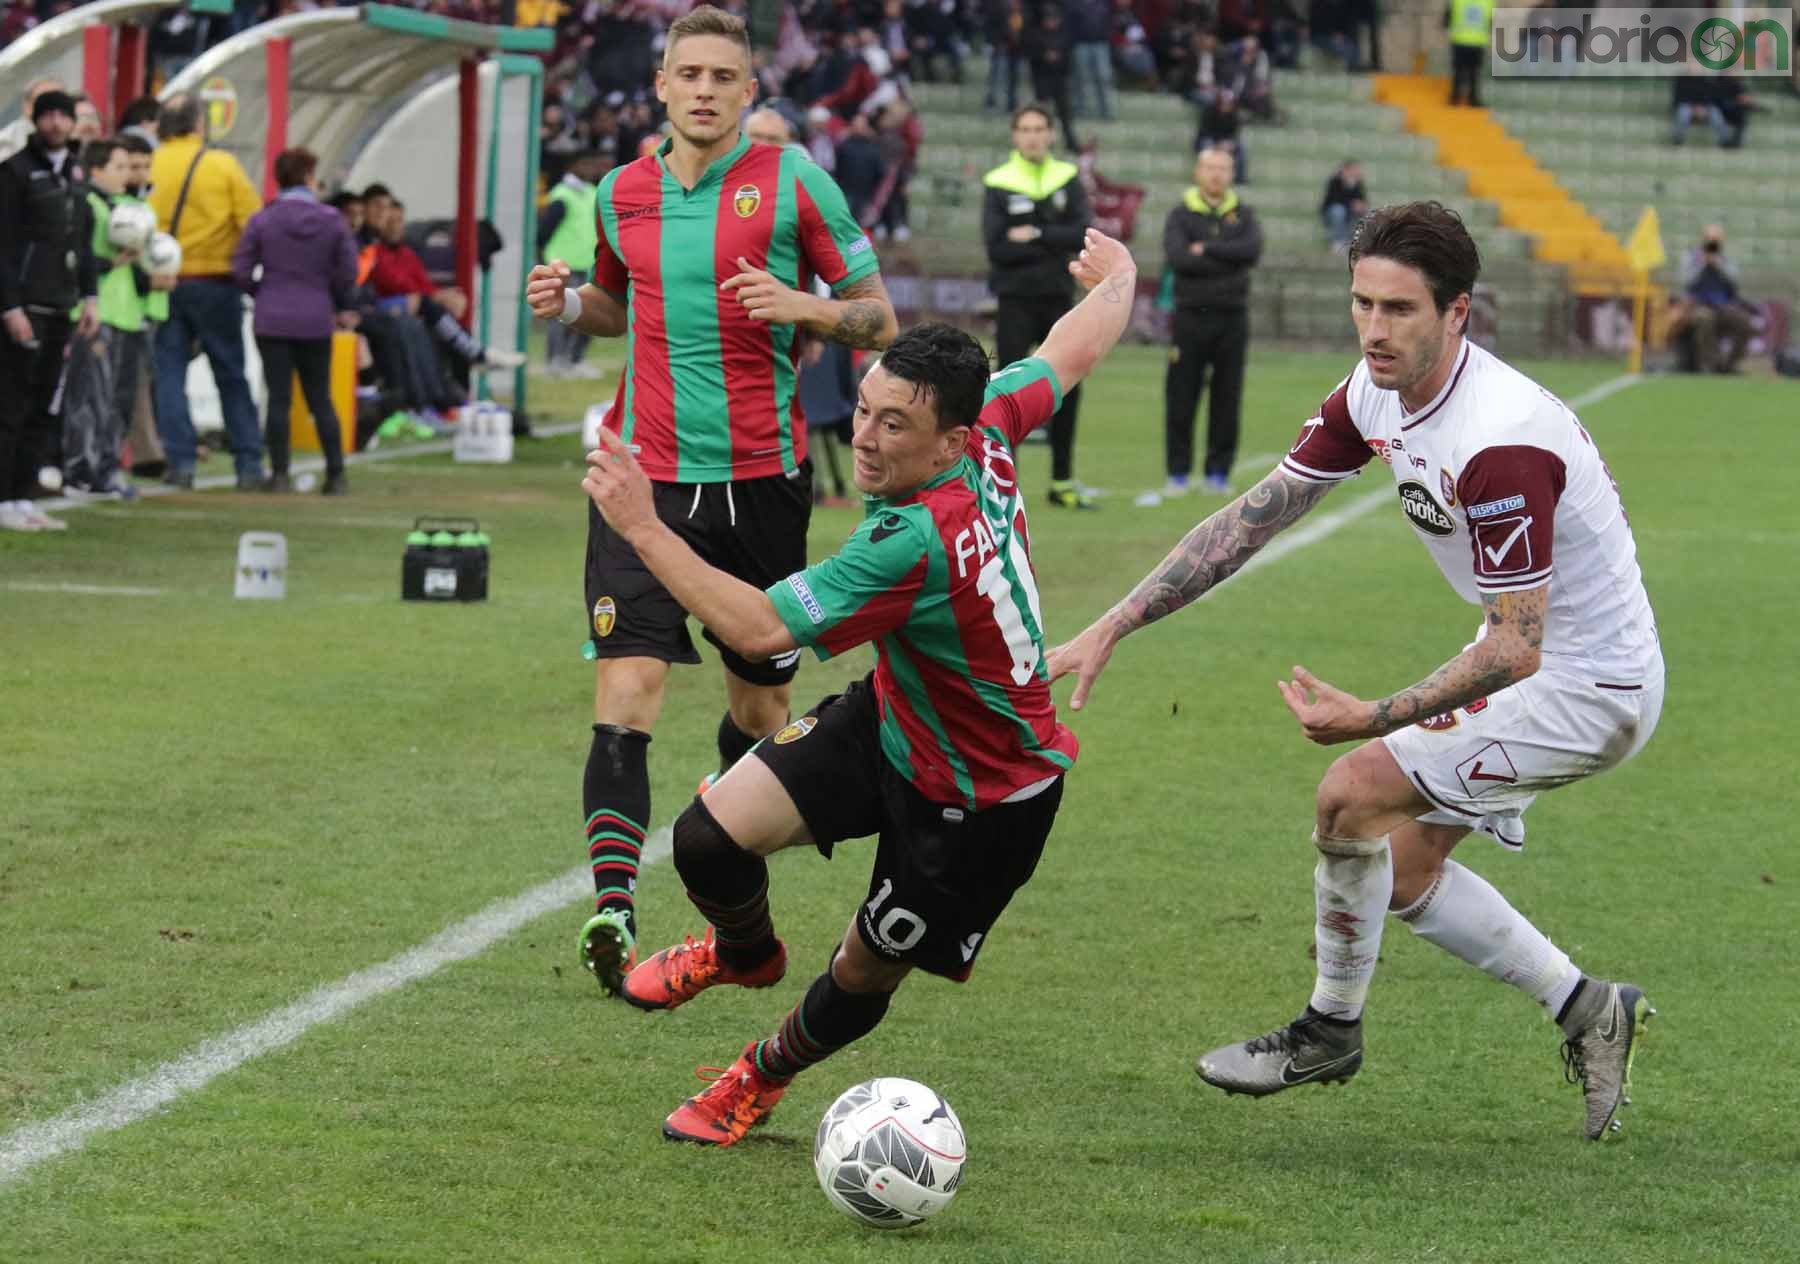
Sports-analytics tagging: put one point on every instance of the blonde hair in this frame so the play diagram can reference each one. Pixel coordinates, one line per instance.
(707, 20)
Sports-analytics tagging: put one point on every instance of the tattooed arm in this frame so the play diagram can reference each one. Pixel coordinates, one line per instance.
(1208, 555)
(1509, 653)
(1083, 336)
(861, 316)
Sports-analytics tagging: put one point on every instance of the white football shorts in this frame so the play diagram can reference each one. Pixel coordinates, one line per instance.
(1483, 765)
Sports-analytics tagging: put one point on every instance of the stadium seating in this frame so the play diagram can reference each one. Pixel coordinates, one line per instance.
(1603, 142)
(1607, 143)
(1298, 295)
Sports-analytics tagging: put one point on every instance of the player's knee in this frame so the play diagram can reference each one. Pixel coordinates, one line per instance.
(1340, 807)
(864, 978)
(701, 845)
(629, 692)
(760, 711)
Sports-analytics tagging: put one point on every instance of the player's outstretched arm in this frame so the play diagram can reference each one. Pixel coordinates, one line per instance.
(740, 615)
(1211, 553)
(1511, 651)
(596, 313)
(1089, 330)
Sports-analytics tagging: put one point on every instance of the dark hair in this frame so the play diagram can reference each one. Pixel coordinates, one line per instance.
(139, 111)
(704, 19)
(294, 167)
(180, 116)
(343, 198)
(1030, 107)
(1428, 236)
(377, 190)
(944, 364)
(98, 153)
(132, 143)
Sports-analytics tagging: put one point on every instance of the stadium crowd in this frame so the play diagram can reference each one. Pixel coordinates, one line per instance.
(122, 257)
(838, 73)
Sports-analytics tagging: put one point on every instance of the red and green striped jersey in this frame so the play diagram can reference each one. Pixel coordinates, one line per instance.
(941, 580)
(708, 394)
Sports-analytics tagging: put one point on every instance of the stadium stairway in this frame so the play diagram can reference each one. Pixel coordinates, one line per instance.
(1607, 142)
(1298, 295)
(1497, 167)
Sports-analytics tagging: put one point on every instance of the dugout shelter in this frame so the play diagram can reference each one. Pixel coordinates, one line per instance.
(443, 111)
(99, 47)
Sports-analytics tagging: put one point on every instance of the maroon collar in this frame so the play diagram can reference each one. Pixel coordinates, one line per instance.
(1443, 395)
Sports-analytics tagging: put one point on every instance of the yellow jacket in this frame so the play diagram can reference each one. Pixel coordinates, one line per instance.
(220, 202)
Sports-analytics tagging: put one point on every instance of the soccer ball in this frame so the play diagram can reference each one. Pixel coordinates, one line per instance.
(163, 257)
(130, 226)
(889, 1153)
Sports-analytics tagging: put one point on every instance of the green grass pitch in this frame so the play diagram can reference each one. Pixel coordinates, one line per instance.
(210, 807)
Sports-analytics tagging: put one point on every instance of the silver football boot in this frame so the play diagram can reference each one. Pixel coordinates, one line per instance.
(1309, 1050)
(1604, 1026)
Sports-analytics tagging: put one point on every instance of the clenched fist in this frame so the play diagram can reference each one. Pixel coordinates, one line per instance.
(544, 289)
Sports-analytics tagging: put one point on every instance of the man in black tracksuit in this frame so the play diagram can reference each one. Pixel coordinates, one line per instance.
(1033, 219)
(1210, 242)
(46, 270)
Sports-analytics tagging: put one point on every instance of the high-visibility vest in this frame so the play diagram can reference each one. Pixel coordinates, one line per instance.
(1470, 22)
(577, 236)
(1036, 180)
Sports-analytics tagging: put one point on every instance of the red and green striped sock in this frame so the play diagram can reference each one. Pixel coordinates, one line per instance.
(825, 1020)
(616, 798)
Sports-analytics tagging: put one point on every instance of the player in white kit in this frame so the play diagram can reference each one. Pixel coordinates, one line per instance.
(1564, 679)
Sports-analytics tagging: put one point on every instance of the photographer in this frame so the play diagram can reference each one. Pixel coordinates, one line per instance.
(1711, 312)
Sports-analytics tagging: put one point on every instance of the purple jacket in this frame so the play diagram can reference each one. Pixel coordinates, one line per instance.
(308, 267)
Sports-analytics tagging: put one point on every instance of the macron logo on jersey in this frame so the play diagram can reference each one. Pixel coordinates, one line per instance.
(1487, 509)
(808, 602)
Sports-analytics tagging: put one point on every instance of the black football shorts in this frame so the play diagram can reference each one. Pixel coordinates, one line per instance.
(754, 529)
(943, 872)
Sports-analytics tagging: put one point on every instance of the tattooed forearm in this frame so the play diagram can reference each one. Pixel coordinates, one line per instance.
(1218, 548)
(859, 324)
(863, 317)
(1506, 655)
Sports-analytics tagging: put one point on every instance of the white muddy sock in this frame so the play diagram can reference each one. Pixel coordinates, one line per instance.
(1465, 916)
(1352, 885)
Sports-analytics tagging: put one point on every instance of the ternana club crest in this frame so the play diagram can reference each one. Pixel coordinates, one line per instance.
(746, 200)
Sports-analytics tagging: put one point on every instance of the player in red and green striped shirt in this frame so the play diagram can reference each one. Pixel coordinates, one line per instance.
(949, 751)
(706, 254)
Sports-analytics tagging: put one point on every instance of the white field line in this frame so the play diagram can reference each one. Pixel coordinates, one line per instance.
(172, 516)
(307, 465)
(1611, 386)
(26, 1147)
(96, 590)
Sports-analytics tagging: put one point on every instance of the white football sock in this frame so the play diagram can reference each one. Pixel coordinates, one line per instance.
(1352, 885)
(1465, 916)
